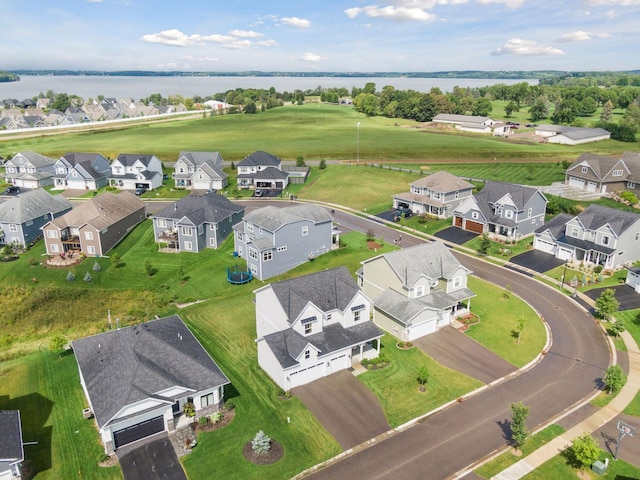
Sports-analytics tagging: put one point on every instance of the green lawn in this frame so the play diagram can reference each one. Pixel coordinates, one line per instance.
(499, 318)
(500, 249)
(507, 459)
(313, 131)
(397, 388)
(46, 389)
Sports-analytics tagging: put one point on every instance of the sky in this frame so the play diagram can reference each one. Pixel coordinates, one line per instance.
(320, 35)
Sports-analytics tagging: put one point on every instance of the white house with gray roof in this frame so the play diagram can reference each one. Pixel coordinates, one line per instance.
(503, 210)
(132, 170)
(23, 216)
(199, 171)
(137, 379)
(81, 171)
(598, 235)
(437, 194)
(11, 446)
(567, 135)
(312, 326)
(262, 170)
(273, 240)
(416, 291)
(195, 222)
(29, 170)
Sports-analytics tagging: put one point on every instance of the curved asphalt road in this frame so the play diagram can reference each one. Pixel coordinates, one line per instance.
(450, 441)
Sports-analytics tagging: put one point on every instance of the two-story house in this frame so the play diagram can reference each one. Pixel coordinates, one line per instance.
(261, 170)
(22, 216)
(438, 194)
(312, 326)
(602, 174)
(417, 290)
(131, 171)
(82, 171)
(199, 171)
(29, 170)
(598, 235)
(95, 226)
(503, 210)
(195, 222)
(274, 240)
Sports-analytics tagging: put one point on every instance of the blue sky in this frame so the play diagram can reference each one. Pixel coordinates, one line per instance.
(328, 35)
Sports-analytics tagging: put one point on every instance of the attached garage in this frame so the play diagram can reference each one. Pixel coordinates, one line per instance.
(457, 221)
(576, 182)
(564, 253)
(420, 330)
(306, 375)
(472, 226)
(338, 363)
(545, 246)
(138, 431)
(592, 186)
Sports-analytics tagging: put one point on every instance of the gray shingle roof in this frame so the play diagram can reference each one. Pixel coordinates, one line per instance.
(270, 173)
(442, 181)
(449, 117)
(35, 159)
(210, 208)
(431, 259)
(574, 133)
(556, 225)
(595, 216)
(328, 290)
(128, 159)
(200, 158)
(11, 435)
(494, 191)
(124, 366)
(31, 205)
(272, 218)
(260, 158)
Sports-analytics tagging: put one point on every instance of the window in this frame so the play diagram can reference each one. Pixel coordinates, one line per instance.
(29, 223)
(605, 239)
(212, 226)
(474, 215)
(13, 227)
(574, 232)
(206, 400)
(260, 231)
(212, 242)
(54, 248)
(419, 291)
(188, 246)
(305, 230)
(457, 282)
(585, 169)
(253, 253)
(250, 227)
(187, 231)
(267, 255)
(631, 184)
(200, 229)
(356, 316)
(161, 222)
(91, 250)
(530, 212)
(357, 311)
(637, 236)
(52, 234)
(88, 235)
(307, 354)
(436, 195)
(308, 328)
(617, 173)
(254, 269)
(508, 213)
(329, 317)
(282, 248)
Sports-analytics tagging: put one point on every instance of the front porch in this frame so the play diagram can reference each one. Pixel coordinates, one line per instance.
(367, 350)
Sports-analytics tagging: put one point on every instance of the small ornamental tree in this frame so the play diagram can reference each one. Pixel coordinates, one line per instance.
(519, 432)
(616, 328)
(261, 443)
(614, 379)
(70, 276)
(423, 377)
(87, 277)
(96, 267)
(116, 259)
(57, 343)
(606, 304)
(485, 243)
(323, 164)
(149, 268)
(585, 451)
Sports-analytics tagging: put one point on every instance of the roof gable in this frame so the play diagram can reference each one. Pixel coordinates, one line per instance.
(211, 208)
(260, 158)
(595, 216)
(31, 205)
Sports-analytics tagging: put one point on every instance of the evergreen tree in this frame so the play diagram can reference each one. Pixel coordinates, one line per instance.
(607, 112)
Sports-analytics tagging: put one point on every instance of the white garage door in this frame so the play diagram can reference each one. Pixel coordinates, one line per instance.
(338, 363)
(564, 253)
(591, 186)
(417, 331)
(544, 246)
(306, 375)
(576, 182)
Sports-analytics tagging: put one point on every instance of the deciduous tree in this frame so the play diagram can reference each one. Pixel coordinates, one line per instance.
(519, 432)
(606, 304)
(614, 379)
(585, 450)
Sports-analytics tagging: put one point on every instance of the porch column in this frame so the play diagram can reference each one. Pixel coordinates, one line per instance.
(378, 347)
(361, 351)
(469, 304)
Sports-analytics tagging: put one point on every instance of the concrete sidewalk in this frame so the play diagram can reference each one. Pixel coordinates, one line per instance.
(589, 425)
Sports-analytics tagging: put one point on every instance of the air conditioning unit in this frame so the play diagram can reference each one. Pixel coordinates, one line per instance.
(87, 413)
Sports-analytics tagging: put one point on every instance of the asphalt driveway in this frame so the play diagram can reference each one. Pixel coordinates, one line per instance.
(151, 460)
(626, 296)
(537, 261)
(355, 418)
(455, 235)
(455, 350)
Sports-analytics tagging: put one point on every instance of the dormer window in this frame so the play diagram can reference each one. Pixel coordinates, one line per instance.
(419, 291)
(508, 213)
(307, 354)
(617, 173)
(585, 169)
(307, 323)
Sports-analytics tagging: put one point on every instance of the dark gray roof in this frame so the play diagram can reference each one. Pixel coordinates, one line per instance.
(431, 259)
(31, 205)
(556, 225)
(128, 159)
(11, 449)
(270, 173)
(634, 269)
(200, 158)
(35, 159)
(494, 191)
(585, 244)
(75, 158)
(450, 117)
(209, 208)
(288, 344)
(600, 164)
(124, 366)
(260, 158)
(595, 216)
(574, 133)
(272, 218)
(328, 290)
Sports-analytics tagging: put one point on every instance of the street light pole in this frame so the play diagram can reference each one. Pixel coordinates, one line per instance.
(358, 144)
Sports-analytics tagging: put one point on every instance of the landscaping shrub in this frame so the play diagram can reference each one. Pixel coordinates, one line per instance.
(261, 443)
(203, 421)
(70, 277)
(96, 267)
(216, 417)
(189, 409)
(87, 277)
(229, 405)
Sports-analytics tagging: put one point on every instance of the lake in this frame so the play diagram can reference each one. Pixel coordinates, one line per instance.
(136, 88)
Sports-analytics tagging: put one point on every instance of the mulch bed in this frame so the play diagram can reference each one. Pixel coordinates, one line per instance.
(272, 456)
(109, 462)
(371, 245)
(211, 426)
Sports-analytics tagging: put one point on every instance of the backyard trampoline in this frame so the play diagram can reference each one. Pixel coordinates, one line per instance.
(238, 277)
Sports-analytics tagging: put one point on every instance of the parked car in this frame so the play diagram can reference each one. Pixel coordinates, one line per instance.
(531, 125)
(12, 189)
(404, 212)
(140, 190)
(257, 193)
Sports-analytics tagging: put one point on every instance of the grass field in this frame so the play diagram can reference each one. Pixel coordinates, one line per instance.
(313, 131)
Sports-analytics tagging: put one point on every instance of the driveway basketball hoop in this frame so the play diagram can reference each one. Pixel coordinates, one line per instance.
(625, 430)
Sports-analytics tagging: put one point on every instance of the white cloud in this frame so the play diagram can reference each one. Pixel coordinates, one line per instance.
(296, 22)
(611, 14)
(94, 1)
(520, 47)
(581, 36)
(623, 3)
(424, 4)
(245, 34)
(312, 57)
(391, 12)
(173, 37)
(190, 58)
(508, 3)
(238, 44)
(267, 43)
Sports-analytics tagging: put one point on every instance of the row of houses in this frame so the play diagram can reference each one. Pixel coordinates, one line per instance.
(37, 114)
